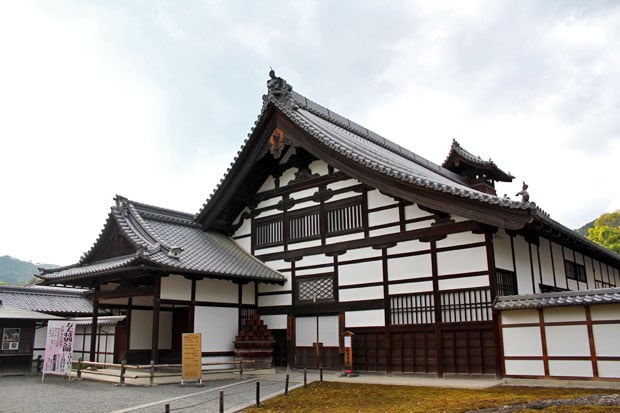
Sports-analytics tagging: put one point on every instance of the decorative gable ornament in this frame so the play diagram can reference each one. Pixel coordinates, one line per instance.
(276, 143)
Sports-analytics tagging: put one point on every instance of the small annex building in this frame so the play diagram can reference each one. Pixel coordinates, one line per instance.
(24, 313)
(321, 226)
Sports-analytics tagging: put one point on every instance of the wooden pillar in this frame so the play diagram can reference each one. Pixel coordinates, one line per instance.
(128, 334)
(156, 303)
(488, 238)
(192, 309)
(239, 305)
(437, 301)
(386, 310)
(93, 329)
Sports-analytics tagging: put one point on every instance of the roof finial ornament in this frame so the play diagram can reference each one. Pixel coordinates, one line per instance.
(525, 197)
(277, 86)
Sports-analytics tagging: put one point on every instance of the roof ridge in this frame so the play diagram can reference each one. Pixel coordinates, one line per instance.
(354, 127)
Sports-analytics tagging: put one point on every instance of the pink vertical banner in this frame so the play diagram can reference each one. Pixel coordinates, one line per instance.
(59, 347)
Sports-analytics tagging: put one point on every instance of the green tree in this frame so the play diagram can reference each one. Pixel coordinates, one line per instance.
(606, 231)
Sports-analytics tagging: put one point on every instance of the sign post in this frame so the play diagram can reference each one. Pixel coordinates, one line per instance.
(59, 348)
(191, 357)
(348, 354)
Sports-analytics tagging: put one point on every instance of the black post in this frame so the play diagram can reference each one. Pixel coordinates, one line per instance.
(258, 394)
(321, 374)
(152, 373)
(123, 368)
(286, 386)
(79, 369)
(221, 401)
(167, 409)
(305, 378)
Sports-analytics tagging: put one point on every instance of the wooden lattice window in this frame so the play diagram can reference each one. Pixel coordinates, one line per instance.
(268, 232)
(466, 305)
(344, 217)
(316, 289)
(416, 308)
(575, 271)
(304, 225)
(506, 282)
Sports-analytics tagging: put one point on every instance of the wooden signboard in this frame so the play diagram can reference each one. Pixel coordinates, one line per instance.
(191, 357)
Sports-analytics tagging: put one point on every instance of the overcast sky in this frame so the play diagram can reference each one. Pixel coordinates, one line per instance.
(152, 99)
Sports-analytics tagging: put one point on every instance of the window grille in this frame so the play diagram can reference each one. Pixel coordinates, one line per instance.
(316, 289)
(466, 305)
(305, 226)
(416, 308)
(344, 219)
(575, 271)
(506, 282)
(268, 232)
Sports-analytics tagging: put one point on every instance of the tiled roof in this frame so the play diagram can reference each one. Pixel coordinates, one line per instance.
(46, 300)
(457, 151)
(170, 240)
(20, 313)
(366, 148)
(109, 320)
(558, 299)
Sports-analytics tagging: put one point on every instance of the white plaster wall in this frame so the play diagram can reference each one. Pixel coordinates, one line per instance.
(343, 184)
(246, 226)
(377, 199)
(570, 368)
(359, 253)
(269, 250)
(328, 331)
(462, 261)
(319, 167)
(385, 216)
(525, 367)
(355, 294)
(275, 322)
(392, 229)
(558, 260)
(247, 293)
(364, 272)
(567, 340)
(609, 369)
(464, 282)
(220, 291)
(409, 246)
(522, 341)
(524, 272)
(606, 339)
(343, 195)
(605, 312)
(344, 238)
(503, 251)
(306, 244)
(267, 203)
(288, 176)
(176, 287)
(410, 267)
(413, 212)
(520, 317)
(303, 194)
(312, 271)
(309, 260)
(245, 244)
(141, 330)
(305, 331)
(305, 204)
(218, 326)
(275, 300)
(561, 314)
(279, 265)
(410, 288)
(264, 288)
(545, 262)
(368, 318)
(460, 238)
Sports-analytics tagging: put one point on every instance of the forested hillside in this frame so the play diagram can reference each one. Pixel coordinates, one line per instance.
(17, 272)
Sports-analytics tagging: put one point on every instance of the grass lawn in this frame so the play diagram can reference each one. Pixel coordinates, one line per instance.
(348, 397)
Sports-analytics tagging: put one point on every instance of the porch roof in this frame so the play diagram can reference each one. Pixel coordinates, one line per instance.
(558, 299)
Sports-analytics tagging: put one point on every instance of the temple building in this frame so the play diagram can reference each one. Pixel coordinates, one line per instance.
(321, 226)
